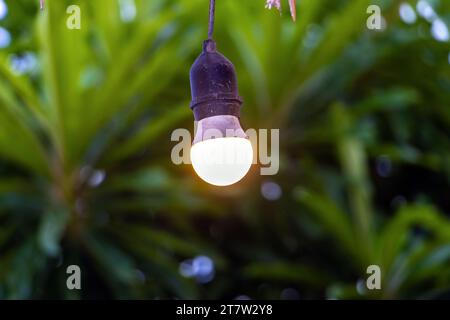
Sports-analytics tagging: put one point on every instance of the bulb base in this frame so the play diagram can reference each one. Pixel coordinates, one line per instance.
(224, 126)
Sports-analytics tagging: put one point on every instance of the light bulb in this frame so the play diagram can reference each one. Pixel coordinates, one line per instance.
(221, 154)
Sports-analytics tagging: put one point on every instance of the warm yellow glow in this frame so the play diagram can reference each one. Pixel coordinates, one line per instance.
(222, 161)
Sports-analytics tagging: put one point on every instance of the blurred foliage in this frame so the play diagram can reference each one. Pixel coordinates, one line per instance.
(86, 176)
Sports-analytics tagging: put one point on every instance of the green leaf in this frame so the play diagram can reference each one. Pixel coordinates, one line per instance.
(51, 230)
(336, 222)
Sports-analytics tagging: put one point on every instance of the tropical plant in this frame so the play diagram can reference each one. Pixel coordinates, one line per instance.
(101, 96)
(86, 176)
(344, 115)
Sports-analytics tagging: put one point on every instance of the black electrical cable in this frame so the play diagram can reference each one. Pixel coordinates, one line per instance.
(212, 13)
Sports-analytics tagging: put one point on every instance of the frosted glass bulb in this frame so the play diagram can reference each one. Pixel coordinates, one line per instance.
(222, 161)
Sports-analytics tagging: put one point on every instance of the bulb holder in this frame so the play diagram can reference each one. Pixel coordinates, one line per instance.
(214, 86)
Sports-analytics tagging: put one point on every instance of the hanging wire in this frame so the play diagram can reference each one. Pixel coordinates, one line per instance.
(212, 13)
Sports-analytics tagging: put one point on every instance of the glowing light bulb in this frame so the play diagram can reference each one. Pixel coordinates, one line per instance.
(221, 153)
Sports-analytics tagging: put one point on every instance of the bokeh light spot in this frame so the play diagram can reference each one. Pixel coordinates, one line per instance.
(439, 30)
(271, 191)
(407, 13)
(3, 10)
(201, 268)
(426, 10)
(127, 10)
(26, 63)
(5, 38)
(97, 178)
